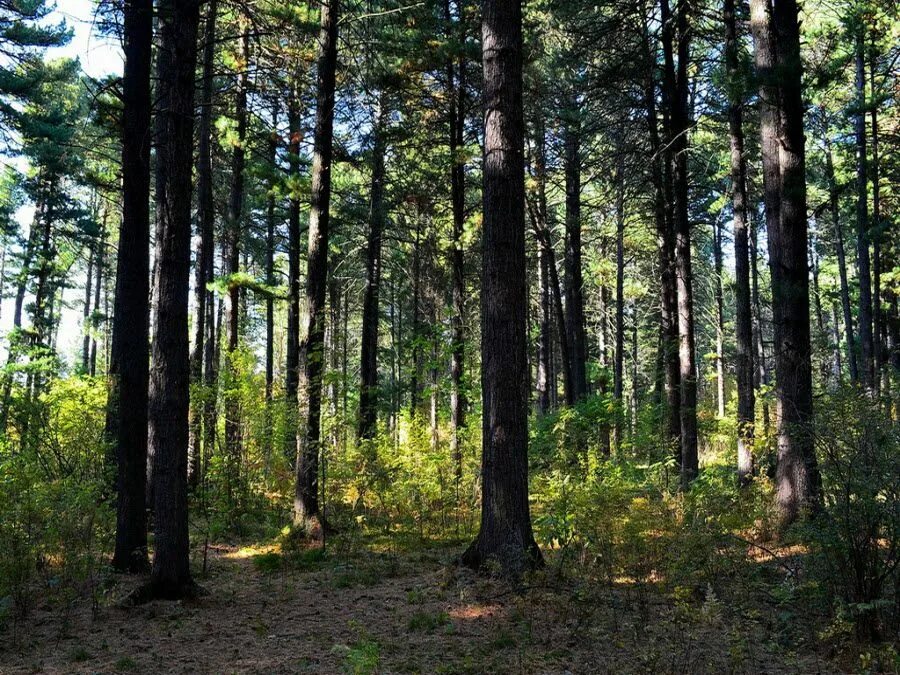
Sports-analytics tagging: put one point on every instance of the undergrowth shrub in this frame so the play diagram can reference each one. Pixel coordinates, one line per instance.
(55, 524)
(856, 537)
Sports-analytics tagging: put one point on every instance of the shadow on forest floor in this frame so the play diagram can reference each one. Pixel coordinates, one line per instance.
(364, 610)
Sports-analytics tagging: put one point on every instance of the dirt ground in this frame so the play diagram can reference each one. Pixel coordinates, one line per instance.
(383, 613)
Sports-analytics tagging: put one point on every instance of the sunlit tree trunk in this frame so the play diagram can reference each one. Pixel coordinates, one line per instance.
(743, 323)
(505, 537)
(306, 497)
(777, 39)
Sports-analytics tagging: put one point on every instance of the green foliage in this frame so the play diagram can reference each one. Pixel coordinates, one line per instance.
(856, 537)
(54, 524)
(427, 622)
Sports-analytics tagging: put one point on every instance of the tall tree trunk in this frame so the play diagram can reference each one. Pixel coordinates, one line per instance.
(292, 348)
(743, 324)
(544, 335)
(127, 408)
(306, 498)
(206, 222)
(170, 375)
(456, 79)
(574, 290)
(668, 339)
(270, 282)
(878, 328)
(368, 390)
(761, 374)
(834, 206)
(866, 341)
(505, 537)
(414, 382)
(719, 293)
(619, 364)
(233, 228)
(676, 40)
(776, 34)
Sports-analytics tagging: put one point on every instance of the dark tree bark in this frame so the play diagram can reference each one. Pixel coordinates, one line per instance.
(574, 290)
(126, 415)
(776, 34)
(307, 517)
(864, 270)
(170, 375)
(743, 323)
(204, 272)
(292, 348)
(676, 41)
(371, 318)
(668, 339)
(505, 537)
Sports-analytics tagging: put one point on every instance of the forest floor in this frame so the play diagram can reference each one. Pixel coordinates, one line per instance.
(374, 610)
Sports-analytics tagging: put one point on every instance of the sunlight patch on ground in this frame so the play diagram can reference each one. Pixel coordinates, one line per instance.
(476, 611)
(247, 552)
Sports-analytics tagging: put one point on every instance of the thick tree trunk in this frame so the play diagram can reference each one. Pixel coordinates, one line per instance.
(505, 538)
(307, 517)
(126, 415)
(743, 324)
(777, 37)
(170, 375)
(204, 274)
(368, 388)
(676, 40)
